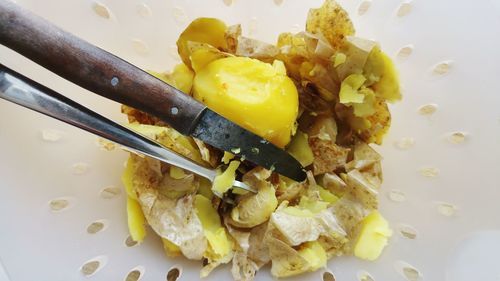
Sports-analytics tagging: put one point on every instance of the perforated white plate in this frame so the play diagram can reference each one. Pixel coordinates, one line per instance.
(442, 155)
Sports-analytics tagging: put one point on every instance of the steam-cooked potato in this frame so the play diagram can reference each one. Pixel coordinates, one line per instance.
(218, 240)
(300, 150)
(380, 69)
(225, 180)
(251, 93)
(201, 54)
(373, 237)
(203, 30)
(135, 220)
(320, 94)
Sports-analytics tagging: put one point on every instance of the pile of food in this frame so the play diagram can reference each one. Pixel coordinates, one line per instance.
(322, 96)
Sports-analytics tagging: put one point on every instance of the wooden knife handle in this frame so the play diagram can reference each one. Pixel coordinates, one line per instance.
(93, 68)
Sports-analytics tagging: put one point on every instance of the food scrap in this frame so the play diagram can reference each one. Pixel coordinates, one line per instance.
(320, 94)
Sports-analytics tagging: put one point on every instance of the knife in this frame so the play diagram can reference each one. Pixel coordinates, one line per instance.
(109, 76)
(23, 91)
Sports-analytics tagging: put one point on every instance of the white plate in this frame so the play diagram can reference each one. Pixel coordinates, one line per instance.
(457, 241)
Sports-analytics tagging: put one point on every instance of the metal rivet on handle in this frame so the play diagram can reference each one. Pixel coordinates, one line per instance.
(115, 81)
(174, 110)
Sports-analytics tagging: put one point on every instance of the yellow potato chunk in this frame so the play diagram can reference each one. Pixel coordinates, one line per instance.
(220, 245)
(251, 93)
(349, 89)
(307, 205)
(203, 30)
(314, 254)
(223, 182)
(326, 195)
(381, 70)
(202, 55)
(299, 148)
(339, 59)
(205, 188)
(127, 176)
(373, 237)
(366, 108)
(286, 261)
(177, 173)
(136, 220)
(182, 77)
(227, 157)
(332, 21)
(378, 123)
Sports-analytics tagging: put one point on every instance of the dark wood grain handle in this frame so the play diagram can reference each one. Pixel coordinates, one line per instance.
(93, 68)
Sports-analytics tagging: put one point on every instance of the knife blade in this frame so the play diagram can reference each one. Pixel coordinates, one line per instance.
(109, 76)
(226, 135)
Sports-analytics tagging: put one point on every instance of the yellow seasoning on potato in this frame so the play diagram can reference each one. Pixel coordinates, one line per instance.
(256, 95)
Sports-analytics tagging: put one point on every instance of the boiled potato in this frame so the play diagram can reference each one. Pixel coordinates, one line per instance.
(136, 220)
(223, 182)
(373, 237)
(300, 150)
(135, 217)
(380, 123)
(380, 69)
(218, 240)
(326, 195)
(286, 261)
(205, 188)
(127, 177)
(228, 156)
(182, 78)
(349, 89)
(311, 204)
(251, 93)
(367, 107)
(203, 30)
(177, 173)
(314, 254)
(203, 56)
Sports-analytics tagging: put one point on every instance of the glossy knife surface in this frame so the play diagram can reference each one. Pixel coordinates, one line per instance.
(226, 135)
